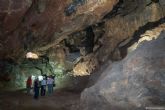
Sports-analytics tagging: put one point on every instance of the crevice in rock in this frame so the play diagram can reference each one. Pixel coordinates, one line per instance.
(84, 39)
(116, 10)
(123, 8)
(152, 1)
(136, 36)
(88, 42)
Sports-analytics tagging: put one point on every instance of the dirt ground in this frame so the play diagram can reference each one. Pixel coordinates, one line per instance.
(19, 100)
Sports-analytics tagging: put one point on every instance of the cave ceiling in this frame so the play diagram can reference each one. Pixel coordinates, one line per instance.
(37, 25)
(84, 32)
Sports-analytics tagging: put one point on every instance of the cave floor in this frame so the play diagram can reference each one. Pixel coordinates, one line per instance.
(59, 100)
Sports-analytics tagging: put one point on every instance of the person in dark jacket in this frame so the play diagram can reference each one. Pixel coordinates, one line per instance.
(36, 88)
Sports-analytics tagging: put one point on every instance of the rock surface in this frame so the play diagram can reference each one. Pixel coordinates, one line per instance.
(135, 83)
(122, 27)
(127, 25)
(78, 36)
(44, 23)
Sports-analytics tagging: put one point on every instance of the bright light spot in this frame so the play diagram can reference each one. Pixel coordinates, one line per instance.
(31, 55)
(40, 78)
(33, 77)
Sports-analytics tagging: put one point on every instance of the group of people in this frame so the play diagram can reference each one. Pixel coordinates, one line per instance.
(39, 86)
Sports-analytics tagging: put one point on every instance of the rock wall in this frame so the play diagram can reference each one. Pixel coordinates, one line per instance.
(37, 25)
(120, 29)
(135, 83)
(131, 21)
(80, 34)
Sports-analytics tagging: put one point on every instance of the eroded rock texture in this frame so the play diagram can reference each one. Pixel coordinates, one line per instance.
(41, 26)
(31, 24)
(131, 20)
(135, 83)
(123, 26)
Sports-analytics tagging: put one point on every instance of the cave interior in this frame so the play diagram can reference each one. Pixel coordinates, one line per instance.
(89, 46)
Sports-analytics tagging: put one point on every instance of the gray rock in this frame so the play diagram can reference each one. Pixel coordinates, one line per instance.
(134, 83)
(41, 5)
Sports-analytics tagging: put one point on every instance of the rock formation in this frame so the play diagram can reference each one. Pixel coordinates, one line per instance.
(72, 38)
(135, 83)
(37, 25)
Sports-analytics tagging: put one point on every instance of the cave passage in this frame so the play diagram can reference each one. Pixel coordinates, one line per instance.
(82, 54)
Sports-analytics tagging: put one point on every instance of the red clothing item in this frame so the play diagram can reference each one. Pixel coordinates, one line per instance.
(29, 82)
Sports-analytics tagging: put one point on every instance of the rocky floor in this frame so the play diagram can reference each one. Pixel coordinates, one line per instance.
(59, 100)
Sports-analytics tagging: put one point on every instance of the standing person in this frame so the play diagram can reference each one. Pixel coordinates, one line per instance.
(43, 87)
(50, 85)
(36, 88)
(29, 84)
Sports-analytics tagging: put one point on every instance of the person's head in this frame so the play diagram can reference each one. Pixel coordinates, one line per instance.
(29, 77)
(44, 78)
(36, 78)
(49, 77)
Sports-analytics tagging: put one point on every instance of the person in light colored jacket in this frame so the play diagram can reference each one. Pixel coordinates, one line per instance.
(43, 87)
(50, 84)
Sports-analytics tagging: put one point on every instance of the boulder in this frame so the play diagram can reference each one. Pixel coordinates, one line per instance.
(136, 82)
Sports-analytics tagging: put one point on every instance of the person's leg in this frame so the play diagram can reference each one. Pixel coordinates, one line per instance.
(49, 88)
(42, 90)
(52, 88)
(37, 93)
(28, 90)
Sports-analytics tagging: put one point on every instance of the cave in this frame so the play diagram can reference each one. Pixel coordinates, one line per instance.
(82, 54)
